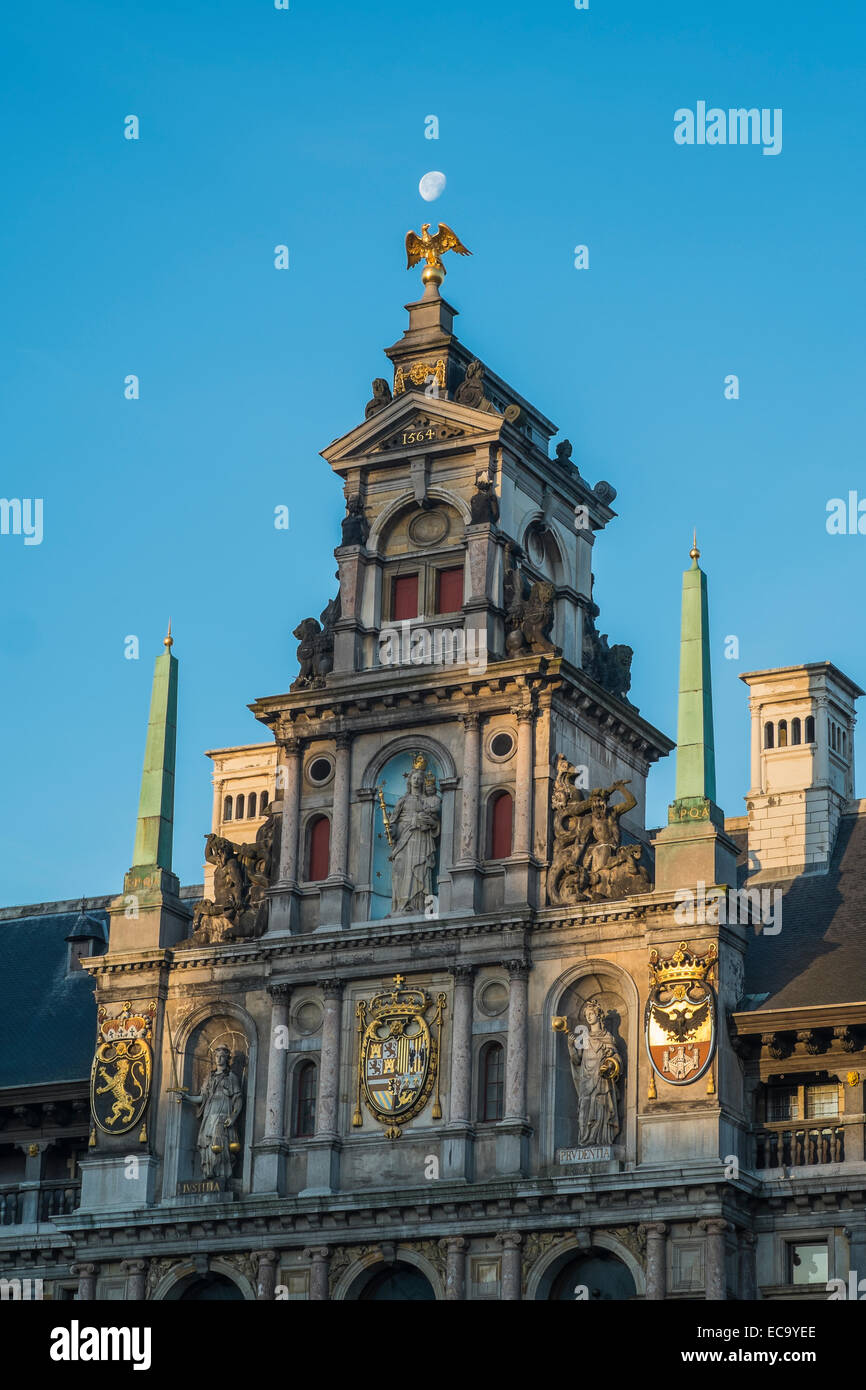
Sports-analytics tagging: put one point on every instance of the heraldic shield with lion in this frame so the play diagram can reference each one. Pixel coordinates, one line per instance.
(122, 1066)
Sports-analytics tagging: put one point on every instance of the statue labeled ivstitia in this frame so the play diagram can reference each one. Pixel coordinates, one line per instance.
(218, 1108)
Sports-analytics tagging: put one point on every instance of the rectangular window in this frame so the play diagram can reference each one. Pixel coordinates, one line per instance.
(449, 590)
(807, 1263)
(405, 601)
(822, 1101)
(782, 1104)
(485, 1279)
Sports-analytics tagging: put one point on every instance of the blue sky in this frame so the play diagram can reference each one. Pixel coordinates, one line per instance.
(306, 127)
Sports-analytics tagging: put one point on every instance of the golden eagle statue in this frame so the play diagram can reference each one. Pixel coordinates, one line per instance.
(431, 249)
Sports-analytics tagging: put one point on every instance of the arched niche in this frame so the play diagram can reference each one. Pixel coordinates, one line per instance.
(358, 1281)
(214, 1025)
(613, 991)
(607, 1269)
(390, 532)
(188, 1282)
(391, 766)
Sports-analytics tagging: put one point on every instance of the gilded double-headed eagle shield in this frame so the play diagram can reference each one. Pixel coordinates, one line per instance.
(122, 1068)
(398, 1056)
(680, 1017)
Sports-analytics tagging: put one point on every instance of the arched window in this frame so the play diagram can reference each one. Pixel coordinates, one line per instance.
(240, 809)
(318, 849)
(844, 744)
(768, 735)
(810, 728)
(795, 731)
(491, 1091)
(500, 820)
(263, 803)
(304, 1109)
(783, 733)
(228, 805)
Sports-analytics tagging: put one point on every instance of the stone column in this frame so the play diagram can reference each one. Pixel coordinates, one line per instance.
(457, 1150)
(282, 913)
(511, 1282)
(515, 1058)
(512, 1132)
(329, 1071)
(266, 1271)
(136, 1279)
(454, 1248)
(323, 1151)
(523, 800)
(716, 1284)
(461, 1045)
(86, 1275)
(656, 1262)
(291, 807)
(278, 1061)
(340, 815)
(471, 767)
(320, 1260)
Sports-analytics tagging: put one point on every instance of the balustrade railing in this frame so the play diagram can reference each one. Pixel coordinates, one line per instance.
(53, 1199)
(800, 1146)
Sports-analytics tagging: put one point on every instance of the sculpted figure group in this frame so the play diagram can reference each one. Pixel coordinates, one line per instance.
(242, 874)
(589, 860)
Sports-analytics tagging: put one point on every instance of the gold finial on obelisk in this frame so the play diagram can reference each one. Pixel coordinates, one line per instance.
(694, 553)
(168, 640)
(431, 249)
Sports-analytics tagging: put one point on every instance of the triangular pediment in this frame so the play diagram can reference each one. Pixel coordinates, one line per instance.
(413, 422)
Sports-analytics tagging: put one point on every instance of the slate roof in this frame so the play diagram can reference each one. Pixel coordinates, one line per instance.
(47, 1015)
(819, 956)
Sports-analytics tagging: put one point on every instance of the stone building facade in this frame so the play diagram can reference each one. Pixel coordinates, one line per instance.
(440, 1024)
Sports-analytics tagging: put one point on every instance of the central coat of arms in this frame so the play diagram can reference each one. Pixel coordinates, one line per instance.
(398, 1056)
(122, 1066)
(680, 1018)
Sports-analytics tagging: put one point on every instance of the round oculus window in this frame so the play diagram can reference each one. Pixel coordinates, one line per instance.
(308, 1016)
(319, 770)
(493, 998)
(501, 745)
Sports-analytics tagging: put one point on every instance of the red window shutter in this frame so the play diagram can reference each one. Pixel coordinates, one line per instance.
(320, 849)
(500, 826)
(449, 590)
(405, 596)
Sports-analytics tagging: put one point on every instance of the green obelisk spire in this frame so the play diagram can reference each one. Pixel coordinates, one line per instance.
(153, 834)
(696, 758)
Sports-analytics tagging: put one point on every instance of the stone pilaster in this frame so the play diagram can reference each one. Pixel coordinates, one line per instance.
(34, 1154)
(86, 1276)
(465, 884)
(513, 1131)
(266, 1275)
(270, 1156)
(510, 1283)
(656, 1260)
(136, 1279)
(282, 916)
(335, 897)
(459, 1142)
(454, 1248)
(320, 1260)
(715, 1231)
(323, 1152)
